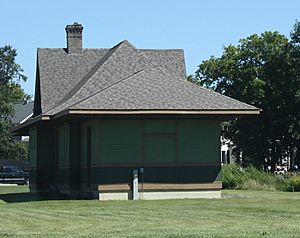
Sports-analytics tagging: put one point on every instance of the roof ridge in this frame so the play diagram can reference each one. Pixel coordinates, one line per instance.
(104, 89)
(88, 75)
(152, 83)
(162, 49)
(66, 102)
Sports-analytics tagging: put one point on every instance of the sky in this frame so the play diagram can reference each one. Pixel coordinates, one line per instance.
(200, 27)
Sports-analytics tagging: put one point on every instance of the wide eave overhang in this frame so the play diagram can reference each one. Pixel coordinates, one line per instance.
(156, 112)
(21, 128)
(229, 113)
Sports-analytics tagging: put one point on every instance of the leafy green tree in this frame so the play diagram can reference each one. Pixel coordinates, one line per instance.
(10, 92)
(262, 70)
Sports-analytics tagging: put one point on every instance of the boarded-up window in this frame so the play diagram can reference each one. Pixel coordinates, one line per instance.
(198, 141)
(120, 141)
(159, 141)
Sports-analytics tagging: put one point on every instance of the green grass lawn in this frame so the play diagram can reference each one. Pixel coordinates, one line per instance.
(238, 214)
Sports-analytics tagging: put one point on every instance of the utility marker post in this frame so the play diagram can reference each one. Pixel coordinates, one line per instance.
(135, 185)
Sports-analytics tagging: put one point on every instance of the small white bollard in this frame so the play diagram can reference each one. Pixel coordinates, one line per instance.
(135, 183)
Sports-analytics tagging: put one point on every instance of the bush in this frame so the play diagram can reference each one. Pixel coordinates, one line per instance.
(252, 184)
(250, 178)
(232, 176)
(293, 183)
(283, 182)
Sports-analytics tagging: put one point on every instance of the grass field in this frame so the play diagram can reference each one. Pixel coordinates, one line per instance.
(237, 214)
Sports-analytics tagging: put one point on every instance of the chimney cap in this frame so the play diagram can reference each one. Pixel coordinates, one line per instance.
(74, 28)
(74, 38)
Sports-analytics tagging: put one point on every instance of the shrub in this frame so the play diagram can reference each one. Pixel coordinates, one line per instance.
(251, 178)
(252, 184)
(260, 176)
(232, 176)
(293, 184)
(283, 182)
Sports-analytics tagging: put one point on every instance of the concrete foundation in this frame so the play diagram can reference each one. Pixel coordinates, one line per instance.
(180, 195)
(161, 195)
(114, 196)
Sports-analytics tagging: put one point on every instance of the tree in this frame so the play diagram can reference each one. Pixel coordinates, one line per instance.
(10, 92)
(262, 70)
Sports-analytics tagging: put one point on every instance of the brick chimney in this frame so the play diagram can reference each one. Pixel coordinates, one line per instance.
(74, 38)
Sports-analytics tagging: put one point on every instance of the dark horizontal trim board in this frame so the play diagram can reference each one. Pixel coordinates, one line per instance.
(161, 186)
(156, 165)
(112, 165)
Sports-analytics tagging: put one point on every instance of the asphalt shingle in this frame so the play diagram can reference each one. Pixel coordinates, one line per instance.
(123, 78)
(22, 111)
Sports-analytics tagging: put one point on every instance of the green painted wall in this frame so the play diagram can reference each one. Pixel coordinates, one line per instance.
(182, 174)
(33, 157)
(75, 152)
(152, 141)
(159, 149)
(45, 147)
(142, 143)
(121, 142)
(159, 126)
(198, 141)
(32, 147)
(41, 158)
(63, 145)
(83, 142)
(68, 143)
(149, 142)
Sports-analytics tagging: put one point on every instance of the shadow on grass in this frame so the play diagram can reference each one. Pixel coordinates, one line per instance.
(30, 197)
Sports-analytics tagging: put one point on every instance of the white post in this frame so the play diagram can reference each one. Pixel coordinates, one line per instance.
(135, 183)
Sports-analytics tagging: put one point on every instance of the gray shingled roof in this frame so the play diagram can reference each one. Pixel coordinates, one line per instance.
(59, 72)
(22, 111)
(122, 78)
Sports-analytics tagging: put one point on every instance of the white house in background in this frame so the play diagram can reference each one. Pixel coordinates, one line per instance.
(282, 166)
(226, 149)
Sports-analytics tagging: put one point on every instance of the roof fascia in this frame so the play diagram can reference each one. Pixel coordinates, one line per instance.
(156, 112)
(26, 118)
(30, 122)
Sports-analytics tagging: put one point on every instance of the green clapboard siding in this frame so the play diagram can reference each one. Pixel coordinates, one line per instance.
(95, 142)
(120, 141)
(198, 141)
(32, 147)
(83, 145)
(159, 126)
(63, 145)
(44, 158)
(74, 164)
(137, 143)
(45, 147)
(33, 157)
(159, 141)
(152, 141)
(159, 149)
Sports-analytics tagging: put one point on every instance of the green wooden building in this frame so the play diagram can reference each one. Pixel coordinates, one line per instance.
(102, 115)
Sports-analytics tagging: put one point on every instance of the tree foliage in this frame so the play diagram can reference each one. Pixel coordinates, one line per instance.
(264, 71)
(10, 92)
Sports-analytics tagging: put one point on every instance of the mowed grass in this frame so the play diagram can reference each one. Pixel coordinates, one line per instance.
(237, 214)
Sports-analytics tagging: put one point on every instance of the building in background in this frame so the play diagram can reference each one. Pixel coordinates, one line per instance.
(23, 111)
